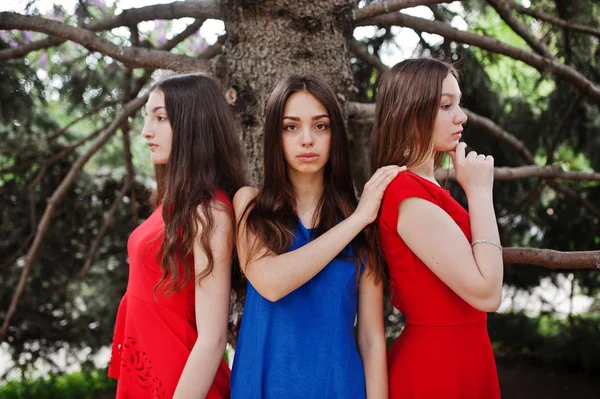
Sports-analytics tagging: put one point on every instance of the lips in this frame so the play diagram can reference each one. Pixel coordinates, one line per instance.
(308, 157)
(152, 146)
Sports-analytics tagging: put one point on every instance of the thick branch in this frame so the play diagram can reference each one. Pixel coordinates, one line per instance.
(200, 9)
(584, 85)
(553, 259)
(529, 171)
(389, 6)
(25, 49)
(129, 109)
(557, 21)
(360, 111)
(361, 51)
(130, 56)
(503, 9)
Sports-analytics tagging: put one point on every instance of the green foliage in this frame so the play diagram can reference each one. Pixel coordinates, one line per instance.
(78, 385)
(562, 344)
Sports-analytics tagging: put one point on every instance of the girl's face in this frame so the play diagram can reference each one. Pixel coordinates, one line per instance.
(306, 134)
(157, 129)
(447, 129)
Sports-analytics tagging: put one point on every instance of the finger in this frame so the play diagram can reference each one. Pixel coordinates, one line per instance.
(452, 156)
(490, 159)
(388, 174)
(460, 151)
(382, 171)
(471, 156)
(481, 157)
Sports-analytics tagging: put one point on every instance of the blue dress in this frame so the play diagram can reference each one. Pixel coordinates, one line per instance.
(303, 345)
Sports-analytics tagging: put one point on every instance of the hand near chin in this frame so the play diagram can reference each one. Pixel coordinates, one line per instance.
(370, 201)
(473, 171)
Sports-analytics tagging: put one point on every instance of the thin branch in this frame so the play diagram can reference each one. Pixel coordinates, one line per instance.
(200, 9)
(560, 129)
(130, 56)
(69, 150)
(129, 109)
(498, 132)
(23, 50)
(570, 74)
(361, 51)
(100, 235)
(575, 196)
(390, 6)
(88, 113)
(553, 259)
(527, 172)
(554, 20)
(503, 9)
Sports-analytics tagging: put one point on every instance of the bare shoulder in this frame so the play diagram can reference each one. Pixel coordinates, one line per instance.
(242, 197)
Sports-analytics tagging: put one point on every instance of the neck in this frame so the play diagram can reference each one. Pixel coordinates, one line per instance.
(427, 168)
(308, 190)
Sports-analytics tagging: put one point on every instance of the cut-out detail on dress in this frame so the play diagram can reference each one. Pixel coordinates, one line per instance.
(139, 368)
(396, 302)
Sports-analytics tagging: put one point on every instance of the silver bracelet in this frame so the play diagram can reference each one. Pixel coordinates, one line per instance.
(487, 242)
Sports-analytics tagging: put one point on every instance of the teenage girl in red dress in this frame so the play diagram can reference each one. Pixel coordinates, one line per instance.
(445, 265)
(171, 327)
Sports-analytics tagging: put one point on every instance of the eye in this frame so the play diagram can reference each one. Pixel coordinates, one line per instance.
(161, 118)
(290, 128)
(446, 106)
(322, 126)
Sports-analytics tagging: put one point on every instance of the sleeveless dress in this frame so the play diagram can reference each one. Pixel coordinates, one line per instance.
(444, 350)
(302, 346)
(154, 336)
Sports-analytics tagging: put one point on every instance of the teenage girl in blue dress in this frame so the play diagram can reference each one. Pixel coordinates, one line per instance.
(300, 246)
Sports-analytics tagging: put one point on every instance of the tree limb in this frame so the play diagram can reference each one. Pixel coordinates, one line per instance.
(361, 51)
(130, 56)
(200, 9)
(500, 133)
(389, 6)
(553, 259)
(100, 235)
(503, 9)
(554, 20)
(529, 171)
(88, 113)
(129, 109)
(570, 74)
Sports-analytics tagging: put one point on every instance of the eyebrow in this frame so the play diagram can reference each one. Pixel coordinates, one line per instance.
(451, 95)
(314, 118)
(154, 109)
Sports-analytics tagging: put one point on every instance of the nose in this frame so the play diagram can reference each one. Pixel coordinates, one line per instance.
(147, 131)
(307, 138)
(461, 117)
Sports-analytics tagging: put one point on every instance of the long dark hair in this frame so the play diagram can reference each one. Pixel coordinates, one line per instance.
(271, 215)
(407, 104)
(205, 157)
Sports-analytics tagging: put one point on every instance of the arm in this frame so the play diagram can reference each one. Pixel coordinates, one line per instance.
(212, 309)
(371, 337)
(474, 274)
(275, 276)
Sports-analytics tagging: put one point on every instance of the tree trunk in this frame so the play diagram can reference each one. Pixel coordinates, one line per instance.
(269, 39)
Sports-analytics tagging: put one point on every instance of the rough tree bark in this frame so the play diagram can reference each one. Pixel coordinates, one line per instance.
(267, 40)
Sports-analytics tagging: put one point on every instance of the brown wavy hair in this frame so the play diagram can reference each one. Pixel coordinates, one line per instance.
(205, 157)
(407, 104)
(271, 215)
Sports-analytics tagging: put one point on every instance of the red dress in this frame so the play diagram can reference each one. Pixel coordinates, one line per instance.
(154, 336)
(444, 350)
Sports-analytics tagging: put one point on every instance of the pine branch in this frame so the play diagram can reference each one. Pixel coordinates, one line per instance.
(554, 20)
(199, 9)
(539, 62)
(503, 9)
(130, 108)
(130, 56)
(390, 6)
